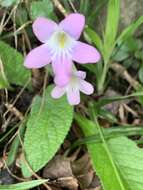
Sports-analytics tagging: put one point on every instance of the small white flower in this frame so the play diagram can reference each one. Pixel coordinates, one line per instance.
(73, 88)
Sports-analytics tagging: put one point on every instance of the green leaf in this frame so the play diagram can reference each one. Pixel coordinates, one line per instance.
(106, 114)
(66, 6)
(95, 38)
(132, 44)
(42, 8)
(102, 160)
(12, 62)
(120, 55)
(95, 10)
(95, 69)
(21, 15)
(140, 74)
(124, 153)
(3, 80)
(130, 30)
(111, 27)
(139, 55)
(15, 144)
(7, 3)
(47, 127)
(22, 186)
(128, 158)
(139, 89)
(104, 101)
(112, 132)
(3, 83)
(84, 6)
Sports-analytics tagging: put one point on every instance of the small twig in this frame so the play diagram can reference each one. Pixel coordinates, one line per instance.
(72, 6)
(119, 69)
(11, 13)
(27, 39)
(9, 17)
(134, 113)
(19, 31)
(2, 22)
(14, 27)
(21, 92)
(60, 7)
(17, 97)
(13, 175)
(6, 122)
(15, 111)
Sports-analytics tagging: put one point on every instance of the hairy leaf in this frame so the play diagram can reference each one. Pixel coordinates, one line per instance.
(12, 62)
(47, 127)
(42, 8)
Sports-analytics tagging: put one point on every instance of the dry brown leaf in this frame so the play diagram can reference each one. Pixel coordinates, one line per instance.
(58, 167)
(60, 170)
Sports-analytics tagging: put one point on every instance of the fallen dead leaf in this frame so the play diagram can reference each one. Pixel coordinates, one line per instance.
(60, 172)
(58, 167)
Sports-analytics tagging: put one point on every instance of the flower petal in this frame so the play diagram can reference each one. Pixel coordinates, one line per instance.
(73, 96)
(57, 92)
(38, 57)
(73, 24)
(61, 79)
(84, 53)
(86, 87)
(80, 74)
(43, 28)
(62, 69)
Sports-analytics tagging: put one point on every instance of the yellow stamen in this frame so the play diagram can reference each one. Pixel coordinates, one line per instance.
(62, 38)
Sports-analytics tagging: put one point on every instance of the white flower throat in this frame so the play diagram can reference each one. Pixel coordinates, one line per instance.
(60, 44)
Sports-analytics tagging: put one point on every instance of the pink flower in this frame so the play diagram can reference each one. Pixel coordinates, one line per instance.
(73, 88)
(61, 46)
